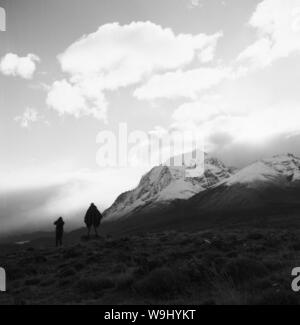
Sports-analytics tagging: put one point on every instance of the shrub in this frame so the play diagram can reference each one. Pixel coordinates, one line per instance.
(263, 284)
(197, 271)
(32, 281)
(209, 257)
(161, 283)
(67, 272)
(14, 273)
(227, 293)
(146, 264)
(40, 259)
(232, 254)
(72, 253)
(47, 282)
(272, 242)
(295, 246)
(255, 236)
(118, 268)
(221, 245)
(274, 264)
(66, 282)
(79, 266)
(95, 284)
(241, 269)
(124, 280)
(279, 297)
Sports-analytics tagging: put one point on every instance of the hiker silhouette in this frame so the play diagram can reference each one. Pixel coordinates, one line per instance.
(59, 224)
(93, 219)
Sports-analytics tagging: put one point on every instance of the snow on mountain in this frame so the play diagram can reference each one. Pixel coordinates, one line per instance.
(171, 181)
(272, 170)
(269, 186)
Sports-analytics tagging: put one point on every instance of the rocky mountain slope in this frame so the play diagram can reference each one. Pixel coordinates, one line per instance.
(171, 181)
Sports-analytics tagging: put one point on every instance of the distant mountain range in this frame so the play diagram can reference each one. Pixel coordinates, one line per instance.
(265, 187)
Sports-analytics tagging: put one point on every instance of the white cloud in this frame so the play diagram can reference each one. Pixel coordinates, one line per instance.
(207, 55)
(222, 121)
(259, 53)
(278, 27)
(76, 99)
(199, 111)
(118, 56)
(30, 115)
(182, 83)
(122, 55)
(13, 65)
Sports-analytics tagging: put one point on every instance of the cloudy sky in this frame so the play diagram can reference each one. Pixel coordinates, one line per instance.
(70, 69)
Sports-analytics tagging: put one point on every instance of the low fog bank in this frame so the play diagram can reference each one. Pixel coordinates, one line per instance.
(34, 206)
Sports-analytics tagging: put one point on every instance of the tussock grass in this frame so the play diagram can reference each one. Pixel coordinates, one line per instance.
(240, 266)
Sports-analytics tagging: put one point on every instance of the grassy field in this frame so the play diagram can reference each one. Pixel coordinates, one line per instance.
(248, 266)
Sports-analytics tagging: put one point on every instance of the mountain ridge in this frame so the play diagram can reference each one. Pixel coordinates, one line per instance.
(166, 183)
(273, 188)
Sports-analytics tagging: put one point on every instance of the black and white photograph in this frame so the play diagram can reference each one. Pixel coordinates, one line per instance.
(150, 154)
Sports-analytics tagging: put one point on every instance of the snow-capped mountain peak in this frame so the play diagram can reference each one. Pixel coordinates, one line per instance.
(275, 169)
(170, 181)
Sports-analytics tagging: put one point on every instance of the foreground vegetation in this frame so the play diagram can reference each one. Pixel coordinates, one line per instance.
(217, 267)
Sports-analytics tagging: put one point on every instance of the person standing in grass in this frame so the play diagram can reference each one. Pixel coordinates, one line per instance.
(93, 219)
(59, 224)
